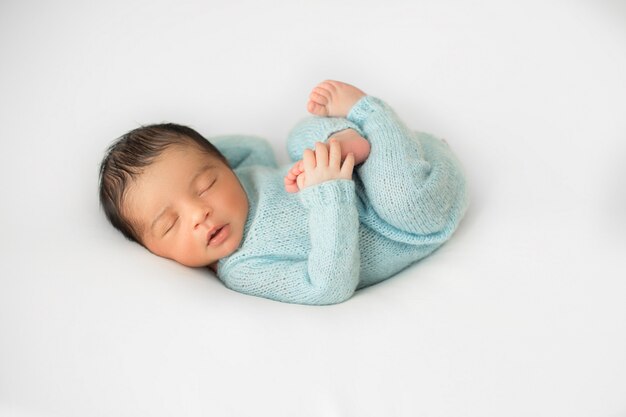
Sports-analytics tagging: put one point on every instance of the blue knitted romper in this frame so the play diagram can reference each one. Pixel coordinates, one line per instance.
(320, 245)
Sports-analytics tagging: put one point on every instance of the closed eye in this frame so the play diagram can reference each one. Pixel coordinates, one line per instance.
(210, 185)
(170, 228)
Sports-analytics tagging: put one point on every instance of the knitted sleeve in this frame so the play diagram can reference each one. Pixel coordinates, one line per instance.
(241, 150)
(330, 274)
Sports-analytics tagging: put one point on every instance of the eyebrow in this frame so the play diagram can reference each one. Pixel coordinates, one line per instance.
(201, 171)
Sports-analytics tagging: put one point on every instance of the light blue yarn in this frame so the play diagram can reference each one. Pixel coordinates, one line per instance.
(320, 245)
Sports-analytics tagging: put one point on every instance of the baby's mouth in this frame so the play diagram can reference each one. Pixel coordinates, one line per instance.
(220, 236)
(212, 233)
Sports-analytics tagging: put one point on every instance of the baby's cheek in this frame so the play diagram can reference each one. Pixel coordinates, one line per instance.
(231, 245)
(185, 252)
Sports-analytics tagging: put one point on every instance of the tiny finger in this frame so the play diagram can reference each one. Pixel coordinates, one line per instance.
(348, 166)
(300, 181)
(321, 154)
(308, 160)
(335, 153)
(292, 188)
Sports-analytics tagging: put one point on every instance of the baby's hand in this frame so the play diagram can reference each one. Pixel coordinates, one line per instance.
(294, 178)
(325, 165)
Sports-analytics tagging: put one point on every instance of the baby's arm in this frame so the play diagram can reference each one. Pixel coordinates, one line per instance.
(241, 150)
(330, 274)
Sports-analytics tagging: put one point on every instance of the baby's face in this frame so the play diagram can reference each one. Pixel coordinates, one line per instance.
(180, 199)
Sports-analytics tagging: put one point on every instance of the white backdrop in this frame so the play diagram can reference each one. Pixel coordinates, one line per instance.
(521, 313)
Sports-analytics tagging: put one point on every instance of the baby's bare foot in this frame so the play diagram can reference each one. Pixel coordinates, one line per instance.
(351, 141)
(333, 99)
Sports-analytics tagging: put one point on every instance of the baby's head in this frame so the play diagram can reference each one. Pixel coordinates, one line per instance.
(169, 189)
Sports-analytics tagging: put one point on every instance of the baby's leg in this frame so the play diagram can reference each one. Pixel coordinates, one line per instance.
(412, 180)
(329, 102)
(332, 100)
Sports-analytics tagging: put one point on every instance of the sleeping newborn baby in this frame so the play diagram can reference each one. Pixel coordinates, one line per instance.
(363, 198)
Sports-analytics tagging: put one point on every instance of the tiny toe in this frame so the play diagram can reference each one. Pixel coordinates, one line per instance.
(329, 85)
(322, 92)
(318, 98)
(317, 109)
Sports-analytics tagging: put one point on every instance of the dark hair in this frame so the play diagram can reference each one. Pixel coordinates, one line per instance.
(126, 158)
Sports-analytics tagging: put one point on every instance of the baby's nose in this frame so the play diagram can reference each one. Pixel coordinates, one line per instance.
(200, 216)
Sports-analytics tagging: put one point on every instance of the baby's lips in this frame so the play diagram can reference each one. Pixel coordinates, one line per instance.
(212, 232)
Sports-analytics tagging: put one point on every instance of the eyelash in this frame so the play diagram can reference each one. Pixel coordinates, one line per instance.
(210, 185)
(171, 227)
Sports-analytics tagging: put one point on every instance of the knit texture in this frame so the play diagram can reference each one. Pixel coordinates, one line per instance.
(320, 245)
